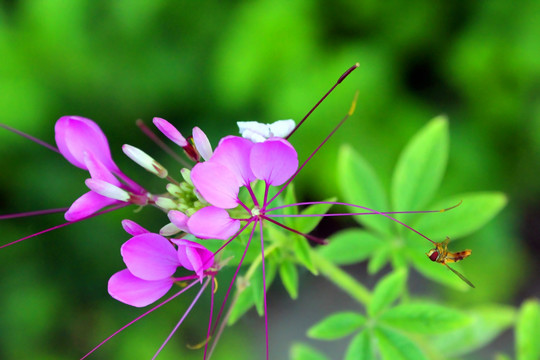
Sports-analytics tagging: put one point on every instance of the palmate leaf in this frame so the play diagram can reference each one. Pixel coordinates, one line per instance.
(257, 289)
(379, 258)
(425, 318)
(244, 302)
(337, 326)
(528, 331)
(487, 322)
(307, 224)
(360, 185)
(475, 211)
(361, 347)
(421, 166)
(302, 251)
(305, 352)
(396, 346)
(387, 291)
(350, 246)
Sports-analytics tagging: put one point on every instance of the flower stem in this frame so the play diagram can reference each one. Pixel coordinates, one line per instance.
(341, 279)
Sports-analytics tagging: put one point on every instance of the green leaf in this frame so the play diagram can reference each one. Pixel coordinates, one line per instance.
(350, 246)
(502, 357)
(396, 346)
(302, 251)
(475, 211)
(305, 352)
(436, 271)
(289, 198)
(425, 318)
(360, 185)
(387, 291)
(361, 347)
(379, 259)
(244, 302)
(421, 166)
(257, 282)
(307, 224)
(289, 277)
(337, 326)
(528, 331)
(486, 324)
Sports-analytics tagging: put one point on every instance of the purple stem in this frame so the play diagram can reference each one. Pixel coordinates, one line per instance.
(33, 213)
(341, 78)
(253, 197)
(146, 130)
(182, 318)
(264, 292)
(138, 318)
(29, 137)
(64, 224)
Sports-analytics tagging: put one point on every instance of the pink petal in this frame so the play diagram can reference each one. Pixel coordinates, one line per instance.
(150, 256)
(88, 204)
(132, 228)
(213, 223)
(273, 161)
(99, 171)
(179, 219)
(193, 256)
(131, 290)
(170, 131)
(233, 152)
(76, 136)
(216, 183)
(202, 144)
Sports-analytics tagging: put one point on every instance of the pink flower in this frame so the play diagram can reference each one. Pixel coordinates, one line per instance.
(83, 144)
(151, 262)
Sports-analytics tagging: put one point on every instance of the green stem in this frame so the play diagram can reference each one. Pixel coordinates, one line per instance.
(341, 279)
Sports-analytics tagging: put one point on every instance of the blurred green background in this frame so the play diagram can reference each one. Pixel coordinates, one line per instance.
(213, 63)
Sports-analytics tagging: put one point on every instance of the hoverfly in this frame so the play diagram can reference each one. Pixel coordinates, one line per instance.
(441, 255)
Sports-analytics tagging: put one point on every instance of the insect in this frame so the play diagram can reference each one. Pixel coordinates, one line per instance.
(441, 255)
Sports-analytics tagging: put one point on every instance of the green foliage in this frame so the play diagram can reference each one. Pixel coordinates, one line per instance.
(528, 331)
(336, 326)
(305, 352)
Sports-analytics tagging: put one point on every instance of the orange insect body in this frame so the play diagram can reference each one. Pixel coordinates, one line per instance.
(441, 255)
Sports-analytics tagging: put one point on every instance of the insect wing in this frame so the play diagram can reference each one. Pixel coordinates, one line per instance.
(461, 276)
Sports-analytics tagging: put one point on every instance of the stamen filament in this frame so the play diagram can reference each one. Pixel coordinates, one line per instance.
(264, 290)
(214, 288)
(33, 213)
(307, 236)
(29, 137)
(183, 317)
(140, 317)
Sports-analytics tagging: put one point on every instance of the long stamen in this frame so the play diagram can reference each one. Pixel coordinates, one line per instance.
(307, 236)
(148, 132)
(210, 317)
(33, 213)
(373, 212)
(233, 280)
(29, 137)
(341, 78)
(349, 113)
(140, 317)
(252, 194)
(264, 291)
(64, 224)
(183, 317)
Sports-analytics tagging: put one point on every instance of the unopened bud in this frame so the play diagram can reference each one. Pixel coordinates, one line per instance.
(145, 161)
(106, 189)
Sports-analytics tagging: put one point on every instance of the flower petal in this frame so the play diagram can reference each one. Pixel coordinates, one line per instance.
(282, 128)
(179, 219)
(202, 144)
(233, 152)
(170, 131)
(254, 131)
(212, 223)
(76, 136)
(88, 204)
(99, 171)
(273, 161)
(194, 256)
(132, 228)
(150, 256)
(129, 289)
(216, 183)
